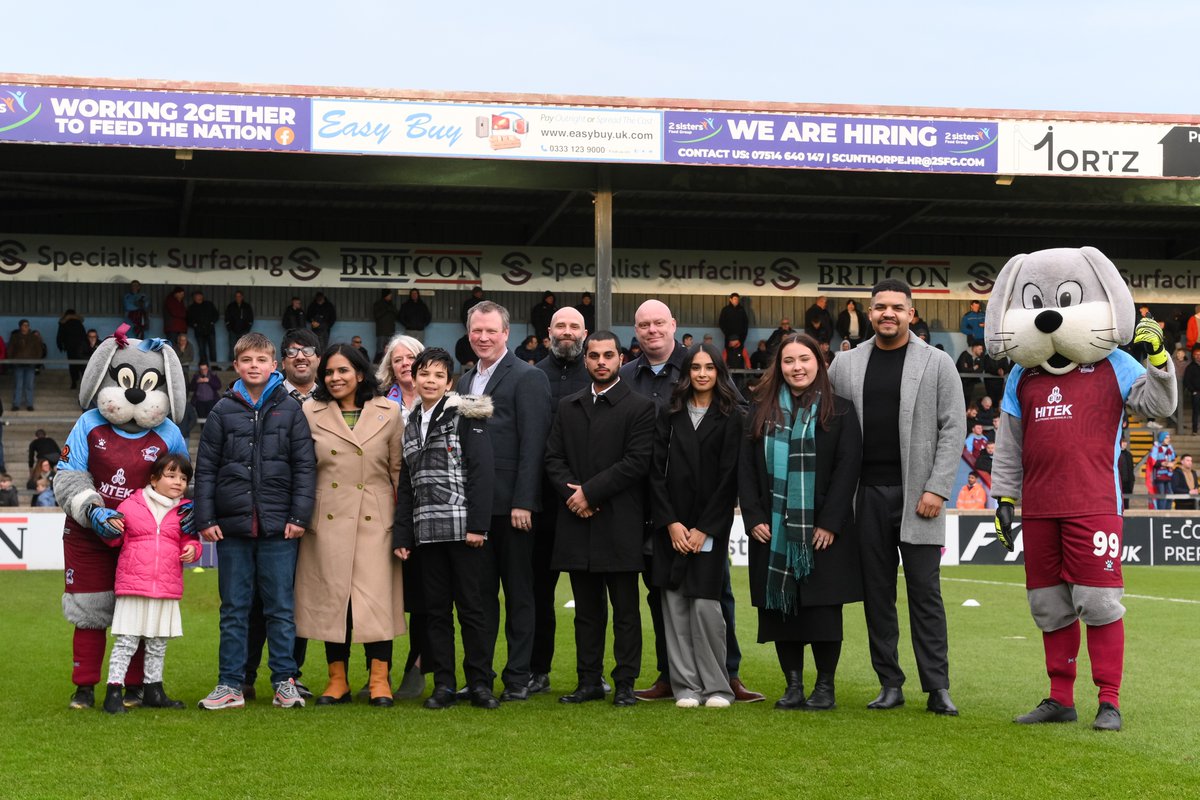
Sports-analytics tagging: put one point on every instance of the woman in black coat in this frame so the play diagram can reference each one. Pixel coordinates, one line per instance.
(693, 485)
(852, 324)
(804, 561)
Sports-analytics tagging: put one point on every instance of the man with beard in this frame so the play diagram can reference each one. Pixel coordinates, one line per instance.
(597, 458)
(565, 369)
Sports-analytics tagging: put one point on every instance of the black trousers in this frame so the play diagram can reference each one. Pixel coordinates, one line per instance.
(374, 651)
(452, 579)
(1195, 412)
(591, 624)
(509, 563)
(256, 638)
(545, 583)
(733, 652)
(880, 509)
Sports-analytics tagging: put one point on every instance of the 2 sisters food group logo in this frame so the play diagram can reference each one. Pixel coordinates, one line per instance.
(504, 131)
(692, 131)
(17, 109)
(961, 142)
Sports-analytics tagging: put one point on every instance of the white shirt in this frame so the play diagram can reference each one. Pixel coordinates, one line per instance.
(482, 376)
(426, 418)
(596, 395)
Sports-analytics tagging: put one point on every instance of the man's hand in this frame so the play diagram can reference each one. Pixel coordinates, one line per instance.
(212, 534)
(578, 504)
(107, 523)
(822, 538)
(1004, 520)
(679, 537)
(930, 505)
(696, 539)
(761, 532)
(293, 531)
(476, 539)
(1150, 334)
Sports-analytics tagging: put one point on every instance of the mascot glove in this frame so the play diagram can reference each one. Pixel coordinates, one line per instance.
(187, 517)
(100, 518)
(1004, 520)
(1148, 333)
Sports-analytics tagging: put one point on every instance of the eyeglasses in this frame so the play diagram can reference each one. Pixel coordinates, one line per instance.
(292, 352)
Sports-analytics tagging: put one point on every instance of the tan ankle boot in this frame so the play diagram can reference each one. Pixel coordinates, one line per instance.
(380, 683)
(338, 690)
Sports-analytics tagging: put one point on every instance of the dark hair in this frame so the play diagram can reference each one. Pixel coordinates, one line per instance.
(683, 391)
(368, 384)
(168, 460)
(766, 392)
(892, 285)
(433, 355)
(602, 336)
(300, 336)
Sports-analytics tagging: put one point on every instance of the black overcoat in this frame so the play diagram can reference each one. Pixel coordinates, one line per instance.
(836, 577)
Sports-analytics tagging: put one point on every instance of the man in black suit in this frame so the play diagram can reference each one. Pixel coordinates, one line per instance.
(597, 459)
(520, 420)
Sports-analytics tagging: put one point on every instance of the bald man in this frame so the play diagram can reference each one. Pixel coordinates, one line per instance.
(654, 374)
(567, 374)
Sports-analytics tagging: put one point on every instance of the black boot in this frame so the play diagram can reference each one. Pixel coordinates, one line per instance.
(133, 695)
(821, 698)
(793, 696)
(113, 700)
(153, 696)
(84, 697)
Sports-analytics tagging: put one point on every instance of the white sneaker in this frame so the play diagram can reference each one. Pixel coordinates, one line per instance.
(716, 701)
(223, 697)
(287, 695)
(687, 702)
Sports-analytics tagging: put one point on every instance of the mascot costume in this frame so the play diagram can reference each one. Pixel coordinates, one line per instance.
(1060, 315)
(130, 391)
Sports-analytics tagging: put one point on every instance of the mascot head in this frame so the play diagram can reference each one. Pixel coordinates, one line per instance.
(1057, 309)
(135, 384)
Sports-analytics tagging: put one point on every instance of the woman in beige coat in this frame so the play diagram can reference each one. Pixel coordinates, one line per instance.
(348, 584)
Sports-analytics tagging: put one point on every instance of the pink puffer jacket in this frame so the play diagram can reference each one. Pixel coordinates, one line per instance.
(149, 564)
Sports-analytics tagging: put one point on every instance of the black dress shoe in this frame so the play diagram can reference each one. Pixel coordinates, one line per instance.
(539, 682)
(482, 697)
(442, 697)
(512, 693)
(583, 694)
(624, 695)
(940, 703)
(793, 696)
(463, 694)
(889, 697)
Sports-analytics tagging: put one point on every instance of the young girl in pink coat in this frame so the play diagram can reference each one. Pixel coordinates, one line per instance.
(149, 579)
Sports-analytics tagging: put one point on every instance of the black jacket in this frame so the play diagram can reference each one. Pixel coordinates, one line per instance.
(414, 315)
(239, 318)
(294, 319)
(566, 378)
(734, 321)
(864, 326)
(323, 313)
(255, 463)
(202, 317)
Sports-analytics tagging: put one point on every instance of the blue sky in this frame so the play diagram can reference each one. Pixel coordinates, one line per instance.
(1100, 56)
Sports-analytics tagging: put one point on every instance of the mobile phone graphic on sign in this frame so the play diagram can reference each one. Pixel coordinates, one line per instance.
(521, 126)
(483, 127)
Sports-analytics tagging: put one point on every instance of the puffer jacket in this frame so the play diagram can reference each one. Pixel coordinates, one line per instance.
(149, 564)
(255, 468)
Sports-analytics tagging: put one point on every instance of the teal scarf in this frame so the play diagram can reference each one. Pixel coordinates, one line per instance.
(791, 455)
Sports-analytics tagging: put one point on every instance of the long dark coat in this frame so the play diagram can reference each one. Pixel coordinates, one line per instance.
(605, 447)
(836, 577)
(694, 482)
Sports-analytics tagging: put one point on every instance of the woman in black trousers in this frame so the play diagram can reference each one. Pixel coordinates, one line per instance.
(799, 466)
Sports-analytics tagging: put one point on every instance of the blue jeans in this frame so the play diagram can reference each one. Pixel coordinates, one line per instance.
(22, 385)
(1161, 488)
(266, 566)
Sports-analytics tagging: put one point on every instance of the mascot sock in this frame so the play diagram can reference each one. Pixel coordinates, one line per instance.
(136, 674)
(1062, 650)
(1106, 649)
(88, 652)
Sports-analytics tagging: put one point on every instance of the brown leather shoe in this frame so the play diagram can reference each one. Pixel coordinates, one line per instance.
(661, 690)
(743, 695)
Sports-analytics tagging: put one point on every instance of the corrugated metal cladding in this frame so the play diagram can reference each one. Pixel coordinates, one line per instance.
(104, 299)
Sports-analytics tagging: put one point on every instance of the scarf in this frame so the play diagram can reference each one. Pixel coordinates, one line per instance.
(158, 504)
(791, 455)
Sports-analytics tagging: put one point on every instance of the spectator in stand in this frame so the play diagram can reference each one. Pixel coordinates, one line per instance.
(357, 343)
(996, 370)
(42, 447)
(93, 341)
(43, 494)
(919, 327)
(1160, 467)
(986, 415)
(205, 389)
(970, 363)
(321, 317)
(1191, 385)
(202, 317)
(24, 344)
(852, 324)
(1124, 471)
(818, 323)
(826, 353)
(383, 311)
(72, 342)
(43, 469)
(540, 316)
(239, 320)
(983, 461)
(1193, 330)
(473, 299)
(463, 353)
(175, 314)
(972, 324)
(529, 351)
(136, 306)
(587, 310)
(971, 496)
(1183, 481)
(414, 315)
(736, 356)
(187, 355)
(734, 322)
(761, 357)
(294, 317)
(687, 340)
(9, 498)
(976, 440)
(3, 353)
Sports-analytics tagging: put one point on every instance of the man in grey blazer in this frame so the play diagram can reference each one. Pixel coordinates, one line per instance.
(518, 428)
(910, 404)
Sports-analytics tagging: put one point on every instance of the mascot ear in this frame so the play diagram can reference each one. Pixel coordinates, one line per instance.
(97, 368)
(997, 339)
(1119, 297)
(176, 390)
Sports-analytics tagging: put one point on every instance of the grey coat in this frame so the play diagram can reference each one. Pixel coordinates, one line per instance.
(933, 425)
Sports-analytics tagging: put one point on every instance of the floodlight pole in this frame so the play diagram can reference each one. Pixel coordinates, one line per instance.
(603, 203)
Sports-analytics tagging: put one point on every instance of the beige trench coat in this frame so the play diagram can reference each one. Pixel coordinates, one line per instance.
(346, 554)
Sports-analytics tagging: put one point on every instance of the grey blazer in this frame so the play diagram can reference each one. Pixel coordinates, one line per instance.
(933, 426)
(518, 429)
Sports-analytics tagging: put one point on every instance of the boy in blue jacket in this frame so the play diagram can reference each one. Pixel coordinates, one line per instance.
(255, 473)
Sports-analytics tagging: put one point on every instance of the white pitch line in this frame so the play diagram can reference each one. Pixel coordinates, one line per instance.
(1134, 596)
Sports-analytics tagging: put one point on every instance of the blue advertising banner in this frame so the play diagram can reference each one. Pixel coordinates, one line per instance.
(864, 143)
